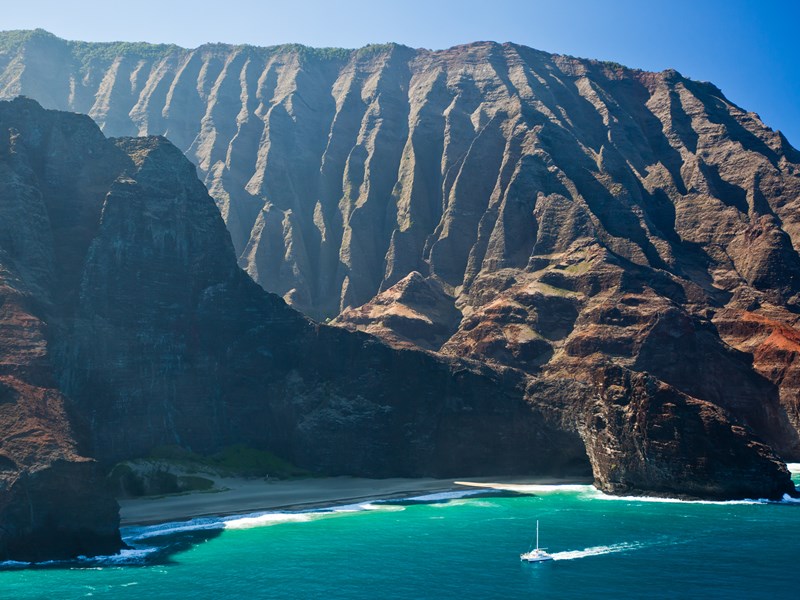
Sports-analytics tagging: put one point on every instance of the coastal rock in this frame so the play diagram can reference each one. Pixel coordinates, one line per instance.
(126, 324)
(642, 434)
(158, 338)
(53, 503)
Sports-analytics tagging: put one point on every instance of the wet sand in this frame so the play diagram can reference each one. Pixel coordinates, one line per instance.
(241, 495)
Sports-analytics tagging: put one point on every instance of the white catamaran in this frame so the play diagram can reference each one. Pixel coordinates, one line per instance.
(537, 554)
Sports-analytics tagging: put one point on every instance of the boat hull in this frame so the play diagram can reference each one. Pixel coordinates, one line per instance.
(540, 557)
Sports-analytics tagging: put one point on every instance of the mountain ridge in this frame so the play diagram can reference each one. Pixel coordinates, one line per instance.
(499, 173)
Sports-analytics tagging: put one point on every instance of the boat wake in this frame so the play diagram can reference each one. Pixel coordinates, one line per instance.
(595, 551)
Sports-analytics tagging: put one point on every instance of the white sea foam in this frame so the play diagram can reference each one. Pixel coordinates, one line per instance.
(746, 501)
(602, 496)
(247, 521)
(592, 493)
(595, 551)
(126, 556)
(14, 564)
(132, 534)
(793, 467)
(267, 519)
(355, 507)
(441, 496)
(543, 488)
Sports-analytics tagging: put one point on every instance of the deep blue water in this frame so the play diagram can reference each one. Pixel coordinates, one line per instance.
(452, 548)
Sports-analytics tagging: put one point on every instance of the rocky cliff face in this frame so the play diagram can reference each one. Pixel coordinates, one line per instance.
(547, 224)
(154, 336)
(125, 324)
(572, 212)
(340, 172)
(643, 433)
(52, 498)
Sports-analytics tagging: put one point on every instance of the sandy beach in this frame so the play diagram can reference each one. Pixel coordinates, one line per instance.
(241, 495)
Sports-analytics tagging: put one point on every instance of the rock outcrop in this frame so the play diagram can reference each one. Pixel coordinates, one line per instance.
(413, 313)
(642, 433)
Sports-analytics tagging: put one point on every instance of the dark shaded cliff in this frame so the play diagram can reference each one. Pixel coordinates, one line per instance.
(53, 503)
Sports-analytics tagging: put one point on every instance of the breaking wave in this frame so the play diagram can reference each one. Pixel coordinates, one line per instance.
(125, 557)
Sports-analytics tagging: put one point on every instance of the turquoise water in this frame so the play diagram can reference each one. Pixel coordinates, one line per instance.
(447, 547)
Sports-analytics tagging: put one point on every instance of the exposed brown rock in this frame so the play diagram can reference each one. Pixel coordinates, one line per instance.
(770, 335)
(341, 172)
(158, 338)
(413, 313)
(641, 433)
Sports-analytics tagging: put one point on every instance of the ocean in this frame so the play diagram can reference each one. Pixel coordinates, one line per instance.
(455, 545)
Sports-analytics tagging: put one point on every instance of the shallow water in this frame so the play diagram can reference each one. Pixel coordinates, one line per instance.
(450, 545)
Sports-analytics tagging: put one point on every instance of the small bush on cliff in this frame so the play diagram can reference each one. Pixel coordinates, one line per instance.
(125, 482)
(132, 480)
(255, 463)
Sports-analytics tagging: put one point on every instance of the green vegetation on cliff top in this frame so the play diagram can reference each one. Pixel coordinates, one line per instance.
(86, 52)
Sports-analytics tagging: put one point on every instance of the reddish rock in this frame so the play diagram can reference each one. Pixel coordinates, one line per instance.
(642, 434)
(413, 313)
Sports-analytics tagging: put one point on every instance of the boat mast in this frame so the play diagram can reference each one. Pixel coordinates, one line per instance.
(537, 534)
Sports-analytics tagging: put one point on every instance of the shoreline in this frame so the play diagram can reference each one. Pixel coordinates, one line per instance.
(244, 496)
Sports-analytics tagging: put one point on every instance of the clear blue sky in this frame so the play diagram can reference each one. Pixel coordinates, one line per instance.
(749, 48)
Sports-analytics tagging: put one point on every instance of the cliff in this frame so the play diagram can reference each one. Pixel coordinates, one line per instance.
(126, 324)
(53, 503)
(567, 211)
(602, 263)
